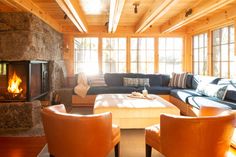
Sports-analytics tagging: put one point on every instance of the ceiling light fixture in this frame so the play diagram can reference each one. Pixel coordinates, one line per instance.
(136, 4)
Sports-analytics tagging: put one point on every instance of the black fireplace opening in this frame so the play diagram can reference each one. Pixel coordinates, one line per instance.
(23, 80)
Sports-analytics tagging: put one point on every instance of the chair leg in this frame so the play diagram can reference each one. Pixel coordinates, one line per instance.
(117, 150)
(148, 151)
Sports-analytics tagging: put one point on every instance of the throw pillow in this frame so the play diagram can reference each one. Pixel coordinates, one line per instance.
(212, 90)
(178, 80)
(133, 82)
(143, 82)
(136, 82)
(97, 80)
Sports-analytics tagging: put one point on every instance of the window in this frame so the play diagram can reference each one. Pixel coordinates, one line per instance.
(223, 58)
(114, 55)
(170, 55)
(86, 55)
(200, 54)
(142, 55)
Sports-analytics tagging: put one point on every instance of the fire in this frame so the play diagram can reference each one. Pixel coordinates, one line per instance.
(13, 84)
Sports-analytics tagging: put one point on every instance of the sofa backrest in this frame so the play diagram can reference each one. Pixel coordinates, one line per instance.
(203, 79)
(116, 79)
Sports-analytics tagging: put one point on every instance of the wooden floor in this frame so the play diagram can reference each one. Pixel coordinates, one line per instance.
(21, 146)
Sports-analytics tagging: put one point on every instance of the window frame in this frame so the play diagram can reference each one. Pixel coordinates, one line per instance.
(139, 49)
(112, 50)
(219, 45)
(173, 50)
(204, 61)
(90, 50)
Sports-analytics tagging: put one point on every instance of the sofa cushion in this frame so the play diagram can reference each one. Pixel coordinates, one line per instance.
(189, 81)
(110, 89)
(197, 102)
(231, 89)
(203, 79)
(154, 79)
(159, 90)
(184, 94)
(116, 79)
(178, 80)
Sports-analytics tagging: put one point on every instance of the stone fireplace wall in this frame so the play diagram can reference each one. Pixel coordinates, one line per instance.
(23, 36)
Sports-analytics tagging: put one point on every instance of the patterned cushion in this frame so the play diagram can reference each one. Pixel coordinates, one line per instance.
(97, 80)
(178, 80)
(136, 82)
(212, 90)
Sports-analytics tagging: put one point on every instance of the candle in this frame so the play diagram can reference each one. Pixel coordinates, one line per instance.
(145, 92)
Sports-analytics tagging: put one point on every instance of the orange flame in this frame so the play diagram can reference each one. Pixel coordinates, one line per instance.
(14, 83)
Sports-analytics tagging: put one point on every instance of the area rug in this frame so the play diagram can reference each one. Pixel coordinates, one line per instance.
(36, 130)
(132, 144)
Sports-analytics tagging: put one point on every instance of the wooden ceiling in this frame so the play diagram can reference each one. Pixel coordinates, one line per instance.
(80, 15)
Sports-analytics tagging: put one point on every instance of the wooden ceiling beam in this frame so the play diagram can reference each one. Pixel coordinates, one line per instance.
(116, 7)
(67, 11)
(31, 7)
(159, 9)
(76, 11)
(199, 11)
(222, 18)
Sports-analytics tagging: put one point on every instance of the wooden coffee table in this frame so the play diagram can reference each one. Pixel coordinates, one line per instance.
(130, 112)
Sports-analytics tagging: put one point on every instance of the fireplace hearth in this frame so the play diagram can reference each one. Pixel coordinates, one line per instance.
(23, 80)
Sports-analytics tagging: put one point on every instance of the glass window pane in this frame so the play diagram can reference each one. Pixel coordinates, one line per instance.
(122, 43)
(224, 69)
(231, 34)
(216, 53)
(225, 35)
(162, 43)
(150, 68)
(224, 52)
(170, 43)
(216, 69)
(195, 68)
(134, 68)
(216, 37)
(195, 55)
(232, 56)
(134, 43)
(201, 40)
(150, 43)
(195, 39)
(232, 70)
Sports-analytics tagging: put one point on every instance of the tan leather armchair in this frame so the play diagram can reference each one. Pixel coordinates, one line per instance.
(72, 135)
(182, 136)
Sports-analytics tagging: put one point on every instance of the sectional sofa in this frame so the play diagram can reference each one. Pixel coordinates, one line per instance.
(188, 100)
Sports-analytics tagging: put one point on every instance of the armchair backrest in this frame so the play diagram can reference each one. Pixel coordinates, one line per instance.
(196, 136)
(77, 135)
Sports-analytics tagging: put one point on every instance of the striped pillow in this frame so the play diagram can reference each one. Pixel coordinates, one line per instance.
(97, 80)
(178, 80)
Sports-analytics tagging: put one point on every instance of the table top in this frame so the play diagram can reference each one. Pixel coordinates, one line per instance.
(124, 101)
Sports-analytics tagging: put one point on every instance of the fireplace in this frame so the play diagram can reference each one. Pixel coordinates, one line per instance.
(23, 80)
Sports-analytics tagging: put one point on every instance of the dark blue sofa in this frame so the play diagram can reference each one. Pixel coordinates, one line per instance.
(193, 100)
(188, 100)
(158, 84)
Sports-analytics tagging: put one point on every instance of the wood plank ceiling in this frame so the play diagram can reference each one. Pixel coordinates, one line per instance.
(80, 15)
